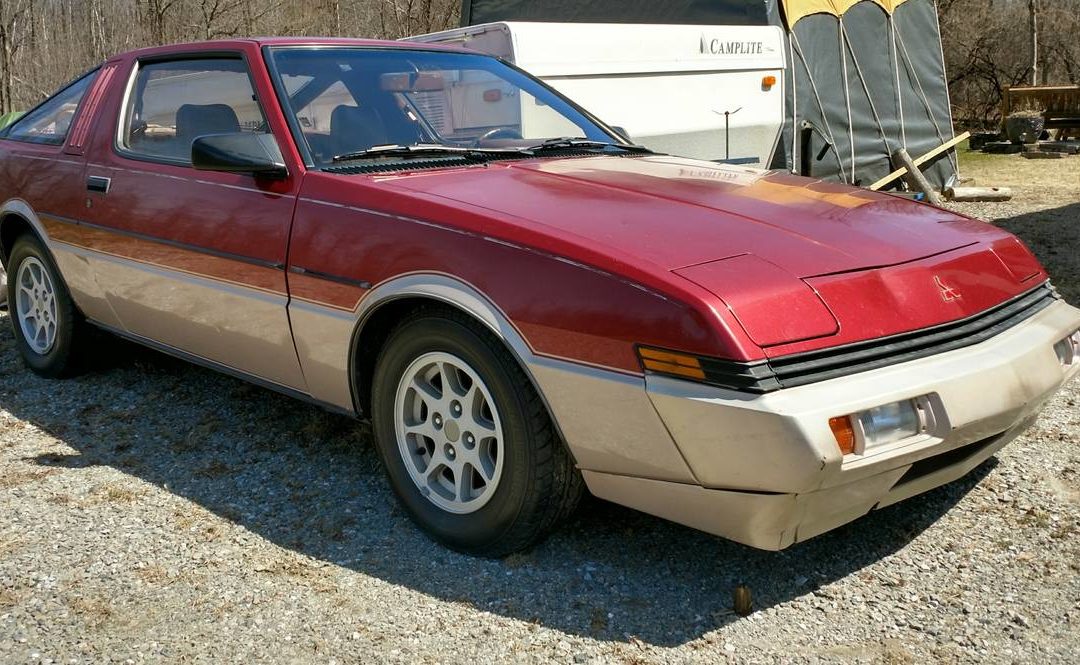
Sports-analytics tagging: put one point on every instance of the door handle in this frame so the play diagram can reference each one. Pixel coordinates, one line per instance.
(99, 184)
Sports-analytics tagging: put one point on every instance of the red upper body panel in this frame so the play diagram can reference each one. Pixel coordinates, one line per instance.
(586, 255)
(793, 259)
(674, 212)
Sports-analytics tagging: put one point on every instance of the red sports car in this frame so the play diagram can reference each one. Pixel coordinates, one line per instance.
(523, 302)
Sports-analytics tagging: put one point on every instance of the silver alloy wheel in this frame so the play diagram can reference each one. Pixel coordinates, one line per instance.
(3, 287)
(448, 432)
(35, 305)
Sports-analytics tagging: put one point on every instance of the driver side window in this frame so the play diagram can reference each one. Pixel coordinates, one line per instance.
(173, 103)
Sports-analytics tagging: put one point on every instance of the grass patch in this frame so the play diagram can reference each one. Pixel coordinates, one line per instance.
(153, 575)
(1049, 183)
(93, 611)
(19, 478)
(117, 494)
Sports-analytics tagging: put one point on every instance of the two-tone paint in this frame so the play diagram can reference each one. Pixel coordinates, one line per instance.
(573, 262)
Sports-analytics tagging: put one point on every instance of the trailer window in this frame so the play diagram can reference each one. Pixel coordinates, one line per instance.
(675, 12)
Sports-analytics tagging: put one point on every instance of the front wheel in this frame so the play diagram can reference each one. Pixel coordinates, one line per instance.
(467, 443)
(48, 327)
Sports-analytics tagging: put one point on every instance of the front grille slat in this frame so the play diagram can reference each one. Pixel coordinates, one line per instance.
(814, 366)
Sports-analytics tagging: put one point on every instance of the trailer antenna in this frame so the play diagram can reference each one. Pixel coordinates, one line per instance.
(727, 131)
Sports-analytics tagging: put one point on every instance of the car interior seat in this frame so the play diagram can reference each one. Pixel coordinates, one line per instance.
(195, 120)
(355, 128)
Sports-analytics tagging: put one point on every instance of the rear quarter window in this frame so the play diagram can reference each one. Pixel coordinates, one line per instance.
(50, 122)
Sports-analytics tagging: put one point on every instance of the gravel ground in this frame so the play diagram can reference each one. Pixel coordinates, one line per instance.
(155, 511)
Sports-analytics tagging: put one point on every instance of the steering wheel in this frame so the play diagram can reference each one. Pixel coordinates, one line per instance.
(497, 133)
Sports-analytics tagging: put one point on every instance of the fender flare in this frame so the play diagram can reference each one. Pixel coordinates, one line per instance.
(449, 290)
(21, 209)
(460, 295)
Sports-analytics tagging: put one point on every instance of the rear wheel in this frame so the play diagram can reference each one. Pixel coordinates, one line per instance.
(48, 328)
(467, 443)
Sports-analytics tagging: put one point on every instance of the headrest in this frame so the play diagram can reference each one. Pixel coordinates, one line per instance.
(355, 128)
(195, 120)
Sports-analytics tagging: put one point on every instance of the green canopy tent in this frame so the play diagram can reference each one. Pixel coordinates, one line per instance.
(8, 118)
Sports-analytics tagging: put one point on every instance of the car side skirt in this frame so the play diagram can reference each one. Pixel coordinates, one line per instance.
(222, 368)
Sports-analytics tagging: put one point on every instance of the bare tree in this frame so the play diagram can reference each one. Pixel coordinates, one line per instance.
(154, 15)
(994, 44)
(989, 44)
(401, 18)
(1033, 10)
(14, 14)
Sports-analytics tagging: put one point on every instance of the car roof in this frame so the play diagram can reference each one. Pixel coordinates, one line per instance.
(233, 44)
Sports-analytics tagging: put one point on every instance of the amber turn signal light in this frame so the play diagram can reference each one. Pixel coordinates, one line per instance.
(670, 362)
(768, 82)
(844, 432)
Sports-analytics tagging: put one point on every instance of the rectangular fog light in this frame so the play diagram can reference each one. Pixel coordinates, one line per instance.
(1068, 350)
(889, 423)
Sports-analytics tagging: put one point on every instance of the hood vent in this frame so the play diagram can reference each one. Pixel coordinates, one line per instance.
(383, 166)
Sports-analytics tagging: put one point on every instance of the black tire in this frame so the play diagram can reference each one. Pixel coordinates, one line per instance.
(539, 485)
(64, 357)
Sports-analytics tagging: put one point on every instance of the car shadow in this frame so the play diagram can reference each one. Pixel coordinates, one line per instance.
(309, 481)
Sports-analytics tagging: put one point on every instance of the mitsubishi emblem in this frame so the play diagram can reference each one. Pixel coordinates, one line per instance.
(948, 293)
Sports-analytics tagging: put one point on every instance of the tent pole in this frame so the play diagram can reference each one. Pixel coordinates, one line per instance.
(922, 91)
(847, 94)
(866, 89)
(794, 104)
(821, 106)
(896, 72)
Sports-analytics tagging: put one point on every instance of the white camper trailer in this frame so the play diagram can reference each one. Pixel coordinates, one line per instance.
(711, 92)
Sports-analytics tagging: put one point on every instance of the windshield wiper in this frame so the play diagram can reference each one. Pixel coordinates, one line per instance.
(563, 143)
(582, 143)
(417, 149)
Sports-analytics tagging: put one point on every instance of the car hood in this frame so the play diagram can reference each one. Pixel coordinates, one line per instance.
(675, 213)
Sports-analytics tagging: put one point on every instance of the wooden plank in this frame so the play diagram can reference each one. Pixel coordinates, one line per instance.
(968, 194)
(1060, 146)
(1043, 88)
(1045, 155)
(1002, 148)
(944, 147)
(915, 177)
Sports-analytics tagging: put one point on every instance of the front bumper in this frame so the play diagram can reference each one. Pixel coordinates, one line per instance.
(766, 468)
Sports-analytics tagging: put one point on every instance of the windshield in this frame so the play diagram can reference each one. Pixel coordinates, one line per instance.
(349, 100)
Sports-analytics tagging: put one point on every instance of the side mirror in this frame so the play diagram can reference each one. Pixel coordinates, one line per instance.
(240, 152)
(623, 133)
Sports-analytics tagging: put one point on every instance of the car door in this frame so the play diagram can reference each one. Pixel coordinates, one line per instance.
(193, 260)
